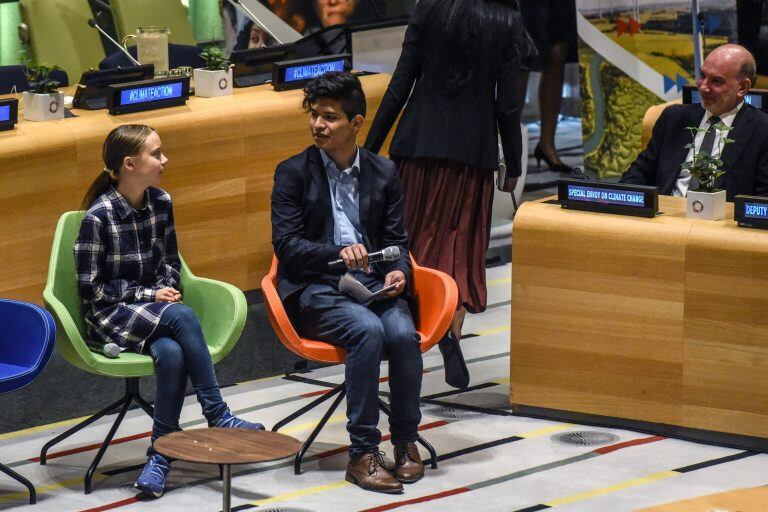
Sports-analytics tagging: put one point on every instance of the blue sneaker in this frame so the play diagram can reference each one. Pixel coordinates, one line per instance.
(229, 421)
(152, 478)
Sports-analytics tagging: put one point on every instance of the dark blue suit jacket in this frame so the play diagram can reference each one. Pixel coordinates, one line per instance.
(302, 219)
(745, 161)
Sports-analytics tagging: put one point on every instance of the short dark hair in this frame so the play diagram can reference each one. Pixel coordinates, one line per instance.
(341, 86)
(747, 70)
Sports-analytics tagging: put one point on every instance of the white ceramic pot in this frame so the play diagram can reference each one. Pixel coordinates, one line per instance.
(705, 205)
(209, 84)
(43, 107)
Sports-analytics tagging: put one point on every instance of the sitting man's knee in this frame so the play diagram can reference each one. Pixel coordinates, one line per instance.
(367, 329)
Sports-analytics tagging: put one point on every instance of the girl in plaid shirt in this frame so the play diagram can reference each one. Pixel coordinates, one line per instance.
(128, 277)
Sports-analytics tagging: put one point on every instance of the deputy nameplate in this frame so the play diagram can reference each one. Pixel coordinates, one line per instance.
(751, 211)
(9, 112)
(147, 95)
(638, 200)
(293, 74)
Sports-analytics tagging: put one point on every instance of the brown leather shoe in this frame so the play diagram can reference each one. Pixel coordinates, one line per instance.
(408, 465)
(369, 473)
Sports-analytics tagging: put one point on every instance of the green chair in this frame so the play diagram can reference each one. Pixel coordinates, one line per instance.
(59, 35)
(220, 307)
(132, 14)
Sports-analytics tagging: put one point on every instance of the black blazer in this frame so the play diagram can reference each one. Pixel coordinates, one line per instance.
(745, 161)
(302, 219)
(462, 127)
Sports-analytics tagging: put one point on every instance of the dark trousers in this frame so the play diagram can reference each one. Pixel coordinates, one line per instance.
(179, 351)
(367, 333)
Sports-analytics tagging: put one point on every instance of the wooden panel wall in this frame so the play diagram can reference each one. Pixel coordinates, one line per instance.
(222, 156)
(659, 320)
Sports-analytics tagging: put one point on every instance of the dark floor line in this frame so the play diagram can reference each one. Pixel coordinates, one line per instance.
(118, 471)
(534, 508)
(306, 380)
(715, 462)
(475, 448)
(467, 407)
(452, 392)
(499, 304)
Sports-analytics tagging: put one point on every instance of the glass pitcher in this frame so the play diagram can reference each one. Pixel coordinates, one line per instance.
(152, 46)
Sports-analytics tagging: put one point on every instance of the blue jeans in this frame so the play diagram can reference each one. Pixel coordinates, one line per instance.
(179, 350)
(367, 332)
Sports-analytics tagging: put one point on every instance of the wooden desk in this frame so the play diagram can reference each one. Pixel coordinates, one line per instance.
(753, 499)
(662, 322)
(222, 151)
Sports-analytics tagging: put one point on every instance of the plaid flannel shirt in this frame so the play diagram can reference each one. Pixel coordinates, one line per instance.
(123, 256)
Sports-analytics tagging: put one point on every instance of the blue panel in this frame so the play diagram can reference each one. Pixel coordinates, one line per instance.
(5, 113)
(756, 210)
(309, 71)
(151, 93)
(619, 197)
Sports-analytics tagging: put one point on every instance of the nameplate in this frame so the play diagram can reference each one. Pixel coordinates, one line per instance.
(751, 211)
(293, 74)
(9, 113)
(637, 200)
(147, 95)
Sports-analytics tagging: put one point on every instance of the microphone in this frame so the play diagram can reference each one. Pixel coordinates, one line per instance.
(386, 254)
(579, 174)
(111, 350)
(92, 23)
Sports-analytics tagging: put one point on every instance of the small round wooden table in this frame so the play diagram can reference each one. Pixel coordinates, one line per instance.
(225, 446)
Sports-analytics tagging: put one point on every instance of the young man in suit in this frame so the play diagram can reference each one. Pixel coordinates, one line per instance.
(726, 76)
(337, 200)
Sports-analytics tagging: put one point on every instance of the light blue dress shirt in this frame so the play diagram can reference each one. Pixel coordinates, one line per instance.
(345, 200)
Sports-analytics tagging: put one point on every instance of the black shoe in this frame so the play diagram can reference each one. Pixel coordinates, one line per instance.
(456, 372)
(540, 155)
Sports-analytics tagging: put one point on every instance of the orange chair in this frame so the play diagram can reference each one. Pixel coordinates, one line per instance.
(436, 298)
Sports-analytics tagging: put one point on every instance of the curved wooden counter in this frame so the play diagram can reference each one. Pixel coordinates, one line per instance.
(658, 321)
(222, 151)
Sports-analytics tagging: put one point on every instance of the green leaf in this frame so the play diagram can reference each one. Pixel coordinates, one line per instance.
(690, 146)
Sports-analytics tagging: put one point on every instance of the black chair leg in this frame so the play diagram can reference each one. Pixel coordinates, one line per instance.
(280, 424)
(316, 431)
(432, 453)
(104, 446)
(131, 395)
(31, 488)
(423, 442)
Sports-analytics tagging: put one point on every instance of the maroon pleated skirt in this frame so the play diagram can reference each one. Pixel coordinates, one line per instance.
(448, 217)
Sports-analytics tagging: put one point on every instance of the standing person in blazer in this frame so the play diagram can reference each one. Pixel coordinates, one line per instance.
(457, 79)
(335, 200)
(726, 76)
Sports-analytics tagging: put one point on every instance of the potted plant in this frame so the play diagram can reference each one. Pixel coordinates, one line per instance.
(43, 102)
(215, 79)
(703, 200)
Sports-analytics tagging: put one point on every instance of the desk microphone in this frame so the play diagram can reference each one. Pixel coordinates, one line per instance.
(386, 254)
(92, 23)
(579, 174)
